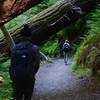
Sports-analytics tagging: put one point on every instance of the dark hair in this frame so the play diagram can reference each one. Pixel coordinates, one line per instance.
(26, 31)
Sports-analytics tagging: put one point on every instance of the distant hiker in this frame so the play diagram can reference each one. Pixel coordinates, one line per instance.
(25, 62)
(66, 50)
(61, 42)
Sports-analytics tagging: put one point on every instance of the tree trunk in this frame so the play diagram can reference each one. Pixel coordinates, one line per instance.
(8, 37)
(55, 18)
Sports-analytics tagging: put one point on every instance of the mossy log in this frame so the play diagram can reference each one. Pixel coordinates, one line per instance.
(53, 19)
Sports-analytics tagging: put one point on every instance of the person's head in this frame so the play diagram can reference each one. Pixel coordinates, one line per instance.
(26, 31)
(66, 41)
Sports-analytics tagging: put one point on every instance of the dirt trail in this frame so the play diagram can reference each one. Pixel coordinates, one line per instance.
(56, 81)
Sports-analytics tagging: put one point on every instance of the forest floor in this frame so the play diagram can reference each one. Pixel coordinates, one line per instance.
(56, 81)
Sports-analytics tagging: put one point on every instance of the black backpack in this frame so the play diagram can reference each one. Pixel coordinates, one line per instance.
(66, 47)
(21, 54)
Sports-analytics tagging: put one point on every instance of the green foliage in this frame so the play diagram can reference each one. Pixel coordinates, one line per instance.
(50, 48)
(61, 33)
(94, 59)
(75, 46)
(82, 71)
(5, 65)
(2, 60)
(5, 87)
(90, 48)
(2, 57)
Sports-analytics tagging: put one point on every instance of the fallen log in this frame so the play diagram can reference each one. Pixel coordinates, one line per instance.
(54, 18)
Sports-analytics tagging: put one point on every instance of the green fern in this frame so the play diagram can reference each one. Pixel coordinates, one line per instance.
(91, 42)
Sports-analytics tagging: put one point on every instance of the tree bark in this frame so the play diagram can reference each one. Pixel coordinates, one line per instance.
(55, 18)
(12, 8)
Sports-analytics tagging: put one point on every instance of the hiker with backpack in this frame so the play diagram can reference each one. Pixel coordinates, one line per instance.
(25, 62)
(66, 51)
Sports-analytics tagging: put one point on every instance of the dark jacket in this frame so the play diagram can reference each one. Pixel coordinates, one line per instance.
(34, 62)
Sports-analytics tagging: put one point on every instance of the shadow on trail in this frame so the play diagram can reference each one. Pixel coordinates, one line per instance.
(56, 81)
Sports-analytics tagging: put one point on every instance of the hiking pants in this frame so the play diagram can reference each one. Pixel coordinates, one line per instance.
(23, 89)
(66, 55)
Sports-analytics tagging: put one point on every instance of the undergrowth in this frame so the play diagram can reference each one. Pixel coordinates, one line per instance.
(5, 87)
(88, 54)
